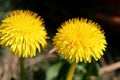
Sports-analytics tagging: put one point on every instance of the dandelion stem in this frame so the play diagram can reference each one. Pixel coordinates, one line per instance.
(71, 71)
(22, 73)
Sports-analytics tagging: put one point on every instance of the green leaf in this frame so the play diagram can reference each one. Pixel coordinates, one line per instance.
(92, 70)
(80, 71)
(64, 71)
(53, 71)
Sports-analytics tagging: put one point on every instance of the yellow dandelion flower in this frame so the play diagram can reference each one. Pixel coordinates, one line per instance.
(79, 40)
(23, 31)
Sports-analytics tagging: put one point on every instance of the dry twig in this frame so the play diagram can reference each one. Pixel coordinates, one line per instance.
(109, 68)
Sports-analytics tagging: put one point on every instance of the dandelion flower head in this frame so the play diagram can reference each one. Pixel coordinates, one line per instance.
(79, 40)
(23, 31)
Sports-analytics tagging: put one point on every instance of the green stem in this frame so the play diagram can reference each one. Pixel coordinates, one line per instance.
(71, 71)
(22, 73)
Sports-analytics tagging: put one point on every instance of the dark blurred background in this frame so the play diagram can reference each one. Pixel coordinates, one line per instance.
(54, 12)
